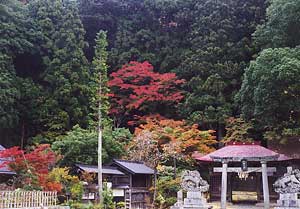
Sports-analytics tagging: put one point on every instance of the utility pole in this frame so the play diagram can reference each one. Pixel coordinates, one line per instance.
(100, 182)
(100, 67)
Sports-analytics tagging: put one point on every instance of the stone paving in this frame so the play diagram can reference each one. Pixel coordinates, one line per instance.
(216, 205)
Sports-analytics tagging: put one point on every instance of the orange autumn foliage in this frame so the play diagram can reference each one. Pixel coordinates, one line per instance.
(47, 184)
(176, 137)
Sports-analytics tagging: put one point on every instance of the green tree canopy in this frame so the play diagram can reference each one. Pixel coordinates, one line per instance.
(213, 66)
(270, 90)
(18, 35)
(80, 145)
(66, 76)
(282, 27)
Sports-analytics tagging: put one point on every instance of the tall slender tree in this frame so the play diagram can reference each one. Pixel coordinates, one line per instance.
(100, 73)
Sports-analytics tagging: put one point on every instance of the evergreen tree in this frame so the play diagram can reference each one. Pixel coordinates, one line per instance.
(17, 38)
(67, 75)
(80, 145)
(282, 26)
(100, 69)
(270, 92)
(213, 67)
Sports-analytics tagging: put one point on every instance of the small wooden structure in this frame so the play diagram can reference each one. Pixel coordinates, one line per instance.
(139, 180)
(5, 172)
(245, 160)
(129, 181)
(111, 176)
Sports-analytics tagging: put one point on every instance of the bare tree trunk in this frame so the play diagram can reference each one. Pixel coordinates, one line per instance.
(100, 182)
(22, 135)
(175, 167)
(220, 132)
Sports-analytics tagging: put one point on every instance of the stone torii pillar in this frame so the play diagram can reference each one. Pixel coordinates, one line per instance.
(265, 185)
(224, 184)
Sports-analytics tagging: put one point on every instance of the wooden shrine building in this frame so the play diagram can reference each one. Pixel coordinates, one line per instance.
(241, 168)
(129, 181)
(5, 172)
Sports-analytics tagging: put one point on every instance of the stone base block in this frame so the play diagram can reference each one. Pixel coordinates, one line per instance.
(175, 207)
(194, 200)
(290, 200)
(191, 206)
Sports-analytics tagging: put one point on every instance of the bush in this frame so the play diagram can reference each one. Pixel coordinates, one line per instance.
(120, 205)
(108, 198)
(77, 191)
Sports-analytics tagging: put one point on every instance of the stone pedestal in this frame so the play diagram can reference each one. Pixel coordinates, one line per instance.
(288, 187)
(194, 200)
(288, 201)
(192, 182)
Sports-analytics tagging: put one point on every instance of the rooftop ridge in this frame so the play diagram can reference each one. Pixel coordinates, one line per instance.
(243, 143)
(96, 166)
(129, 161)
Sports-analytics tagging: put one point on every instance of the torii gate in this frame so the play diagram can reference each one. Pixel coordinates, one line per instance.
(243, 152)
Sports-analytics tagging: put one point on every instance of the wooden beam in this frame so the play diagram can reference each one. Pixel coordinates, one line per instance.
(250, 169)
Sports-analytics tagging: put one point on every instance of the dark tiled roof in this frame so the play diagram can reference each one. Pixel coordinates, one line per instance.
(105, 169)
(4, 168)
(1, 147)
(134, 167)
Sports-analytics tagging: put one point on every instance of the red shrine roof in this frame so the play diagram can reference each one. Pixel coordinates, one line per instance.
(235, 151)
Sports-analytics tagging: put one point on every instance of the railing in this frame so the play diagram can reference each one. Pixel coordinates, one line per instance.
(27, 199)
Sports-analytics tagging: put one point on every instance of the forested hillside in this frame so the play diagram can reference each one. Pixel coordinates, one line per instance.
(230, 66)
(161, 80)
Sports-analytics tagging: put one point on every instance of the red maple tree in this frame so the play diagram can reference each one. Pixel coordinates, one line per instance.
(136, 86)
(32, 167)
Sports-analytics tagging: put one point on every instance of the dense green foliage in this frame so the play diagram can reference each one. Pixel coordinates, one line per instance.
(80, 145)
(66, 75)
(270, 91)
(46, 77)
(282, 28)
(167, 188)
(16, 39)
(221, 48)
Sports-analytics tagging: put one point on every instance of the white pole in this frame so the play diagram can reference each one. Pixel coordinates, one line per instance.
(224, 185)
(265, 185)
(100, 183)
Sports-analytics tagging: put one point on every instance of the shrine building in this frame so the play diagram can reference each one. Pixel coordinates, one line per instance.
(5, 173)
(243, 172)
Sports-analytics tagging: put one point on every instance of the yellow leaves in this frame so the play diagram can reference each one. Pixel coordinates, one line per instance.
(160, 168)
(61, 175)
